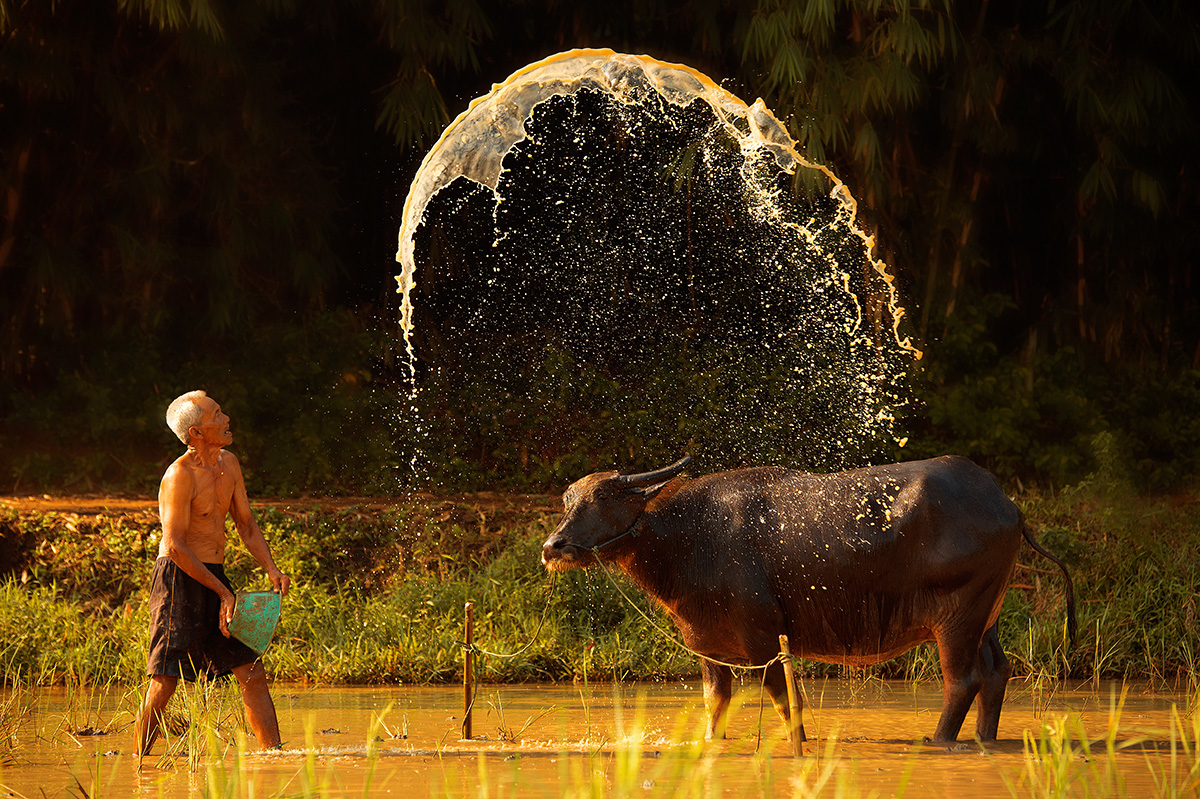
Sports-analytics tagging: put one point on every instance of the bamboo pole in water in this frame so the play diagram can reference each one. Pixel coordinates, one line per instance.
(795, 729)
(468, 675)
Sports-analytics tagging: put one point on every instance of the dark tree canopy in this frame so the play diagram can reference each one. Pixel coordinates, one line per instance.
(208, 192)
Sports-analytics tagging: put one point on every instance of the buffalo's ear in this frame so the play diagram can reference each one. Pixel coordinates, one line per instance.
(648, 492)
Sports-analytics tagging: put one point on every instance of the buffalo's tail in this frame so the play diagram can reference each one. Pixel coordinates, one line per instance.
(1067, 577)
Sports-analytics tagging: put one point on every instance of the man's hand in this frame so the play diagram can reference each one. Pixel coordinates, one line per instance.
(227, 603)
(280, 582)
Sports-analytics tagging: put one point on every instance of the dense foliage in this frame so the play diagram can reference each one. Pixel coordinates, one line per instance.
(207, 194)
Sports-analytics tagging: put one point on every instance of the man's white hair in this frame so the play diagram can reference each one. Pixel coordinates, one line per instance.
(185, 412)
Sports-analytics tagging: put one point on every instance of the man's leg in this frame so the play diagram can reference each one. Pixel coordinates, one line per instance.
(260, 710)
(150, 719)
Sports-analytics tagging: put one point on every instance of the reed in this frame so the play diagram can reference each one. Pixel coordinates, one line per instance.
(1061, 760)
(202, 723)
(16, 711)
(86, 712)
(505, 732)
(1176, 772)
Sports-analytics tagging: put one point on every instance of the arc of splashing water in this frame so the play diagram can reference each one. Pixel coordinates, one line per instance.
(475, 143)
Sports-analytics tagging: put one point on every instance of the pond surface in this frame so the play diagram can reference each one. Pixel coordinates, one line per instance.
(629, 739)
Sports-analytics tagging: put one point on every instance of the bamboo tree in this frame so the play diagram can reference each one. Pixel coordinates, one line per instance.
(182, 174)
(155, 156)
(861, 80)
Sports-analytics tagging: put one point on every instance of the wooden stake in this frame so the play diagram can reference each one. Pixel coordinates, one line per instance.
(468, 675)
(795, 702)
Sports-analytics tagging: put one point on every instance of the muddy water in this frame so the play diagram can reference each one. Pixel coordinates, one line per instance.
(639, 739)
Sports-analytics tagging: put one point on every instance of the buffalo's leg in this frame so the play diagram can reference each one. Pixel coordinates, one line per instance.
(718, 690)
(996, 671)
(776, 683)
(962, 673)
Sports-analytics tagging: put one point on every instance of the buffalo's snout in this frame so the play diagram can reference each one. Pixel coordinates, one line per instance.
(558, 553)
(552, 549)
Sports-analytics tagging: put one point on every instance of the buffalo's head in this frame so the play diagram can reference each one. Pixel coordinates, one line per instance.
(600, 508)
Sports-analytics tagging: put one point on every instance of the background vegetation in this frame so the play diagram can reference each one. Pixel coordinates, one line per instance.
(379, 596)
(207, 193)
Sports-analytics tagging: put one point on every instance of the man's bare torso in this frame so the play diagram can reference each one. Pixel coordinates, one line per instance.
(212, 493)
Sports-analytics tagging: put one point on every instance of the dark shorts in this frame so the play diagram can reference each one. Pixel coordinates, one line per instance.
(185, 633)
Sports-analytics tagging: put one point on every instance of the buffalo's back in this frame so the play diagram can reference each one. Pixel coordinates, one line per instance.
(862, 565)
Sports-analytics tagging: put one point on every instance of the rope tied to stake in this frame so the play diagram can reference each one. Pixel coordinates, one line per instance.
(473, 648)
(465, 647)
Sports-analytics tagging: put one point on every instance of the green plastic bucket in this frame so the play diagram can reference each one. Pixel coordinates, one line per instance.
(255, 616)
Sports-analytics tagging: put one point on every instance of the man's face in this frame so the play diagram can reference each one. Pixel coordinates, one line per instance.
(214, 425)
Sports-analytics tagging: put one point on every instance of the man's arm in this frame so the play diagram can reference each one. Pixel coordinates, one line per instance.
(252, 537)
(175, 510)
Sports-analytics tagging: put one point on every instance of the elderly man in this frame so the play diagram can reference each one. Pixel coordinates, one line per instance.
(191, 600)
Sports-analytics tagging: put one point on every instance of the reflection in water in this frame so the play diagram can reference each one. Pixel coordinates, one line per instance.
(541, 740)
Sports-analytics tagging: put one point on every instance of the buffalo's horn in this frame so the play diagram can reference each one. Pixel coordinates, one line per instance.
(649, 478)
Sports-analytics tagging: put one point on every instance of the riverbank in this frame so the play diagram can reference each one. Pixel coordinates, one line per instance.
(380, 587)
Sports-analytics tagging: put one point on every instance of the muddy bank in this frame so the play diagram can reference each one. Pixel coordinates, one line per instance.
(89, 505)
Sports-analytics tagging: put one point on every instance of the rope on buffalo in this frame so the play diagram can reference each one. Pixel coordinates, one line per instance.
(673, 639)
(762, 681)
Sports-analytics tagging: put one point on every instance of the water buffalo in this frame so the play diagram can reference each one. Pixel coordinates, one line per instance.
(855, 568)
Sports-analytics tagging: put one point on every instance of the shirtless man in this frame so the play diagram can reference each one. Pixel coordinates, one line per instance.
(191, 601)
